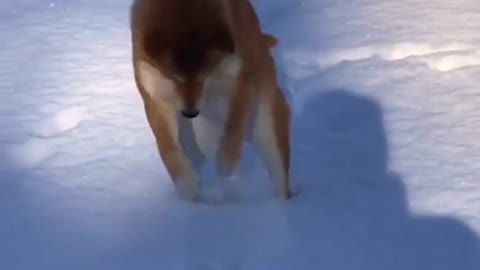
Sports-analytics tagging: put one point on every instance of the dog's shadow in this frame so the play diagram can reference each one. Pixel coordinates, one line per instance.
(351, 210)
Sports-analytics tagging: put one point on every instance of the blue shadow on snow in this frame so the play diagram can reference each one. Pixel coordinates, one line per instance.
(359, 209)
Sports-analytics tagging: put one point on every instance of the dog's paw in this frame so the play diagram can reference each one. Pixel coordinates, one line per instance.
(212, 195)
(188, 191)
(286, 194)
(188, 187)
(284, 190)
(228, 158)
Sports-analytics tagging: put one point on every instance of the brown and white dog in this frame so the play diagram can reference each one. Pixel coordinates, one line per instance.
(208, 81)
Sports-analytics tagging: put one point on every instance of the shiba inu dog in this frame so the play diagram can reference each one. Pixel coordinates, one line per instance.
(208, 81)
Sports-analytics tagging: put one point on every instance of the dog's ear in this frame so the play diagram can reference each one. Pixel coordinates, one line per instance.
(222, 39)
(270, 40)
(155, 45)
(226, 44)
(222, 45)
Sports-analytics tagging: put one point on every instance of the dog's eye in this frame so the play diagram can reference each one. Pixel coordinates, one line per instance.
(178, 78)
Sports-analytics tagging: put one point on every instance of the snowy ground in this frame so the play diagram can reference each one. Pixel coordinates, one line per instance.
(385, 145)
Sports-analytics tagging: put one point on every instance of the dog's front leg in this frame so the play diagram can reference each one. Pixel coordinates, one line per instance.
(163, 122)
(236, 124)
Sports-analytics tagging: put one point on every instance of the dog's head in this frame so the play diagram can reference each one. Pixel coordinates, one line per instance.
(187, 57)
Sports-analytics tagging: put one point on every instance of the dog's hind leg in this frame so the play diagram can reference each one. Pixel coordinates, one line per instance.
(271, 135)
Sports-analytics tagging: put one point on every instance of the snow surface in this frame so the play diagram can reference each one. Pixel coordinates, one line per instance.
(386, 159)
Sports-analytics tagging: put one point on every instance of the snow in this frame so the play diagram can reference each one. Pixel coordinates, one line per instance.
(384, 143)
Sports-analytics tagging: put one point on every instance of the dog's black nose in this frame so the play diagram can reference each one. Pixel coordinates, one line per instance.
(190, 113)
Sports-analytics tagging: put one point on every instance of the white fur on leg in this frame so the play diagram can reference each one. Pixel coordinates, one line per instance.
(187, 185)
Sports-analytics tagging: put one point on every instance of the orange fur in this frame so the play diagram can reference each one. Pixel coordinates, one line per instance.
(178, 47)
